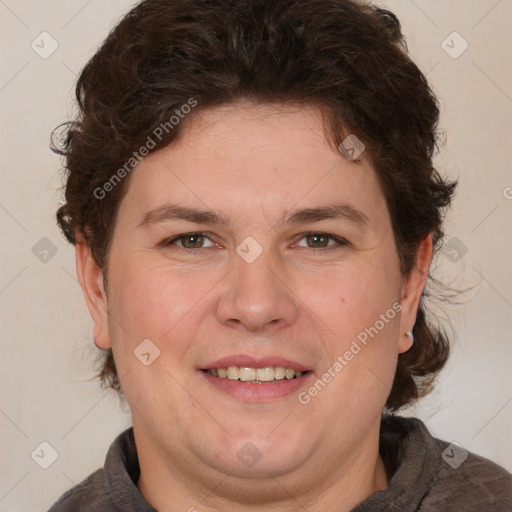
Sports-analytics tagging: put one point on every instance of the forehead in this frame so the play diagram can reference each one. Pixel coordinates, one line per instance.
(253, 158)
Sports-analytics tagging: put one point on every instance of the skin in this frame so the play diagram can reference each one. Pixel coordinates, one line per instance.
(253, 164)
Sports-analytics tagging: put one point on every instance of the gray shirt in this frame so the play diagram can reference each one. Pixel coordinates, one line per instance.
(428, 475)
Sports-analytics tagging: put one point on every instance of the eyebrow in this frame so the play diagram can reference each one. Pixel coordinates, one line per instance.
(171, 212)
(336, 211)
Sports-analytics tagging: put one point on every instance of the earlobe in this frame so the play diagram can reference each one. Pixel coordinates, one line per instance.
(90, 277)
(412, 290)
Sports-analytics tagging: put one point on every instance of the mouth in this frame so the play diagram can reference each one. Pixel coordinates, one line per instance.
(261, 375)
(256, 379)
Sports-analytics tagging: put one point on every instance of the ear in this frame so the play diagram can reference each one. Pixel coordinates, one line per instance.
(412, 289)
(90, 277)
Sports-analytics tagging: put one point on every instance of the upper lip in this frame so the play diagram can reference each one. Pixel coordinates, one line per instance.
(246, 361)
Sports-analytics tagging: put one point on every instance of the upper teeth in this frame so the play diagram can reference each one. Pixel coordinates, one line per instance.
(265, 374)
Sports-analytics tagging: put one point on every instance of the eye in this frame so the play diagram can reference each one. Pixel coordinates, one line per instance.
(190, 241)
(313, 240)
(321, 241)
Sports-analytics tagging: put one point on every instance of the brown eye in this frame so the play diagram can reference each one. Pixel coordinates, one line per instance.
(189, 241)
(317, 240)
(321, 241)
(194, 241)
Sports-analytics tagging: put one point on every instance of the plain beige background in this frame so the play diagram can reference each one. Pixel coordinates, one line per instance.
(47, 352)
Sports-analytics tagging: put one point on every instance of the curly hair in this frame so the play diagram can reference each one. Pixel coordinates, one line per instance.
(346, 57)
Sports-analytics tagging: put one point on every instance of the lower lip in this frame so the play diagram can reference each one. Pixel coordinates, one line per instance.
(251, 392)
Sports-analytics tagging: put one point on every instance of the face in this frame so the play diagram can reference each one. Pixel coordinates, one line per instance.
(252, 243)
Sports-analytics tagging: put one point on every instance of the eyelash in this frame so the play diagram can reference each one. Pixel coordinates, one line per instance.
(340, 242)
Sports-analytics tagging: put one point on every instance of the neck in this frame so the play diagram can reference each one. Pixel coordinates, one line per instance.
(177, 482)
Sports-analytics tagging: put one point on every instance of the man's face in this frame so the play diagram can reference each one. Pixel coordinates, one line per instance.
(268, 287)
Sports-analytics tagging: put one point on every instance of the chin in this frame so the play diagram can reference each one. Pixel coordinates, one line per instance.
(262, 451)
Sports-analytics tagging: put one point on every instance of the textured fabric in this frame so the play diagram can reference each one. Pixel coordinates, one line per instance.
(423, 479)
(111, 489)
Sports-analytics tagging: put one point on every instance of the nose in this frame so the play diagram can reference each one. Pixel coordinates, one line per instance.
(257, 296)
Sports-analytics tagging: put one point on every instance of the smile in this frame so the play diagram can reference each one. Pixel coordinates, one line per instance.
(255, 375)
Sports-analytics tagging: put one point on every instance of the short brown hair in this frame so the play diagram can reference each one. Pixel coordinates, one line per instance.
(345, 57)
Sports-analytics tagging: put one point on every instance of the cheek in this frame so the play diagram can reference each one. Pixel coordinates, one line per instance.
(150, 302)
(352, 299)
(361, 308)
(150, 296)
